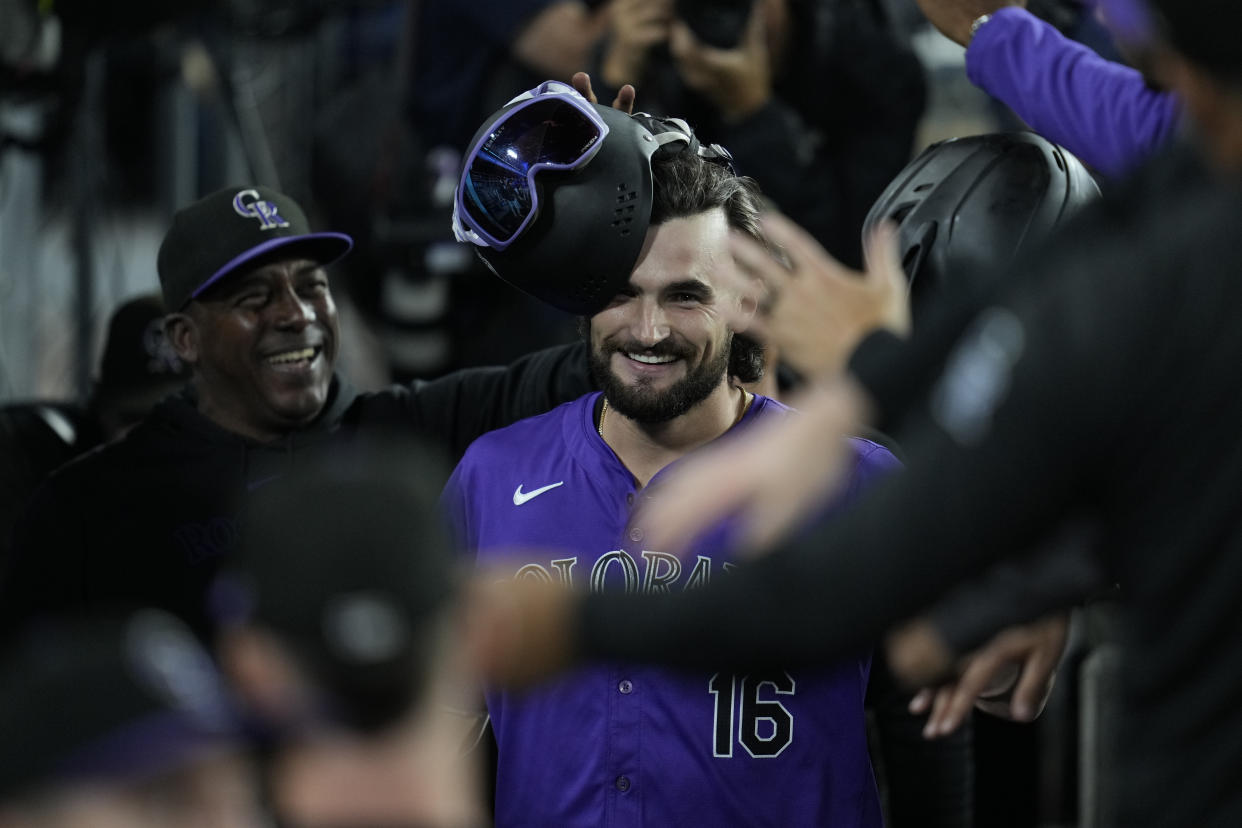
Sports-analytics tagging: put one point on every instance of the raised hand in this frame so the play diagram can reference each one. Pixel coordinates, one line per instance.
(770, 478)
(816, 310)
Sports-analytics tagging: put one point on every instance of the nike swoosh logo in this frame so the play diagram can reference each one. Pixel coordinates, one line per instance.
(520, 497)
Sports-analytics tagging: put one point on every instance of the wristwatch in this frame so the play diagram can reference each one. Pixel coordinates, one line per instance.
(977, 23)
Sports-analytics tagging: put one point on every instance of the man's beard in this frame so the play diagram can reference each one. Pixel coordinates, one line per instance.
(643, 404)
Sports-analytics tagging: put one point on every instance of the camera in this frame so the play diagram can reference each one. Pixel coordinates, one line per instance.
(718, 23)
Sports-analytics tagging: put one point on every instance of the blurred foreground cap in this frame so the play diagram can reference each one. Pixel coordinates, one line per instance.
(350, 564)
(107, 699)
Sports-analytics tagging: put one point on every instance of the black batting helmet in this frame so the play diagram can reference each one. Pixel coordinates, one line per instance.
(968, 207)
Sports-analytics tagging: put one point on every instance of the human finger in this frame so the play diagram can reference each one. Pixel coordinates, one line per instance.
(1031, 692)
(581, 82)
(682, 43)
(963, 693)
(887, 278)
(1039, 670)
(757, 262)
(803, 250)
(921, 701)
(625, 99)
(742, 279)
(940, 700)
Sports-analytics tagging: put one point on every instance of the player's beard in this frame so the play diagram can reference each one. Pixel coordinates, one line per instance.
(643, 404)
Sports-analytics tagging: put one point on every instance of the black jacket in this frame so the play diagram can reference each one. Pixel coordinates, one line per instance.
(36, 438)
(148, 519)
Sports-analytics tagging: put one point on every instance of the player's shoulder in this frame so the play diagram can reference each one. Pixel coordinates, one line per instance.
(530, 436)
(872, 462)
(868, 452)
(769, 407)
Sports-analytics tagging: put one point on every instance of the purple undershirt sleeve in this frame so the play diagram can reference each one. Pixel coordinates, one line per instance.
(1103, 112)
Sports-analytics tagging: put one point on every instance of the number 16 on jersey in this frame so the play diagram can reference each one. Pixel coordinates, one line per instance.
(765, 727)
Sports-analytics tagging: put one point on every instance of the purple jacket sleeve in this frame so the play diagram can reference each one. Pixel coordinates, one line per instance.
(1103, 112)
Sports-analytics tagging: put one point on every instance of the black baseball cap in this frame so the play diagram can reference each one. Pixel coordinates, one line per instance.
(136, 354)
(222, 233)
(112, 698)
(350, 564)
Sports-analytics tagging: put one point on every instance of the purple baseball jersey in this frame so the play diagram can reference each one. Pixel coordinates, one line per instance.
(629, 745)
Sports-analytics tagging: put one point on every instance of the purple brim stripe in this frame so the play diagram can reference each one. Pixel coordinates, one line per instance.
(275, 244)
(153, 744)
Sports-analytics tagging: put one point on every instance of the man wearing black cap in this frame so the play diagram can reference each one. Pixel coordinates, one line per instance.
(149, 518)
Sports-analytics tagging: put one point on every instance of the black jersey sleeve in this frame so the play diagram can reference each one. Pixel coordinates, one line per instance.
(1064, 571)
(456, 409)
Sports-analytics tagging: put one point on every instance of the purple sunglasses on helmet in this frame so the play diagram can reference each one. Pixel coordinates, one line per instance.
(551, 127)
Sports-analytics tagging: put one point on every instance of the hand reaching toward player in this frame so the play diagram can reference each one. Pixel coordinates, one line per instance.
(791, 464)
(1011, 676)
(953, 18)
(518, 630)
(816, 310)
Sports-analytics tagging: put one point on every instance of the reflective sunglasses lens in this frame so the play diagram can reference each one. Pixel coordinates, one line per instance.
(497, 191)
(497, 199)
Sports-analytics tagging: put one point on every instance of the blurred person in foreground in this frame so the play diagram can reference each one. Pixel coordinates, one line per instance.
(120, 721)
(1101, 382)
(338, 632)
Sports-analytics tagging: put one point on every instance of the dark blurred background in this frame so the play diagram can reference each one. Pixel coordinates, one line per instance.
(114, 114)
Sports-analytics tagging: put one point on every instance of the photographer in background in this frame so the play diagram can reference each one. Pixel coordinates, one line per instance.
(818, 100)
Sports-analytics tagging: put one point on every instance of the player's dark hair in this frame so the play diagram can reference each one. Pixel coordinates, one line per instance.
(685, 185)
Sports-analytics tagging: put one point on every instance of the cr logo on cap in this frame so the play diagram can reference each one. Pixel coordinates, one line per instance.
(248, 205)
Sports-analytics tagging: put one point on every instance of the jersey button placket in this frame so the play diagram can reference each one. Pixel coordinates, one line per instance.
(626, 686)
(623, 783)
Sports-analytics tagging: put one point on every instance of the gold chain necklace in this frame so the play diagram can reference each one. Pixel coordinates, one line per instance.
(603, 412)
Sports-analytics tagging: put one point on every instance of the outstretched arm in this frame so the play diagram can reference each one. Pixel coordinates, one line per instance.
(456, 409)
(1103, 112)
